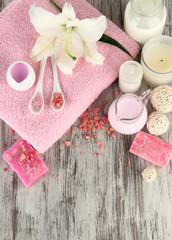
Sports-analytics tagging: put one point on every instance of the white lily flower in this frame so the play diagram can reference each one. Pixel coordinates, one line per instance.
(66, 36)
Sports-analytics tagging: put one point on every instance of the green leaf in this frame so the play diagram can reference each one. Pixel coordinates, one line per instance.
(105, 38)
(60, 10)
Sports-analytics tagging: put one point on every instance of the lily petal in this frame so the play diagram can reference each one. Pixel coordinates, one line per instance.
(77, 46)
(68, 44)
(43, 48)
(92, 29)
(91, 54)
(68, 11)
(44, 21)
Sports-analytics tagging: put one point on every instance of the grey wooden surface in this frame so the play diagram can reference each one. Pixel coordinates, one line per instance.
(90, 198)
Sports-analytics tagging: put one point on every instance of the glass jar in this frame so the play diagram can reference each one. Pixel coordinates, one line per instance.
(144, 19)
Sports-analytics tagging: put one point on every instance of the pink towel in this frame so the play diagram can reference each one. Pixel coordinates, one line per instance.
(80, 89)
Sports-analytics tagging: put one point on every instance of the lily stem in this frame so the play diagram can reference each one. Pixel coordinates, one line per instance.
(60, 10)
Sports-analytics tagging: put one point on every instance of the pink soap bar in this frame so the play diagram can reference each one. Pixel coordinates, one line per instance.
(25, 161)
(152, 149)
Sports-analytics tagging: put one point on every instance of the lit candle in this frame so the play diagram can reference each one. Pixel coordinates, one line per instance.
(156, 61)
(144, 19)
(130, 76)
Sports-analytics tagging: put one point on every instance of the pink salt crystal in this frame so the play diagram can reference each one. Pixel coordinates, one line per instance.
(77, 146)
(68, 131)
(115, 93)
(82, 153)
(57, 101)
(98, 154)
(2, 146)
(28, 170)
(95, 154)
(98, 142)
(11, 130)
(104, 103)
(87, 137)
(61, 150)
(67, 143)
(152, 149)
(102, 147)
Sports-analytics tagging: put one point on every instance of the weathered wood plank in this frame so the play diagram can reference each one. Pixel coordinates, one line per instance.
(82, 202)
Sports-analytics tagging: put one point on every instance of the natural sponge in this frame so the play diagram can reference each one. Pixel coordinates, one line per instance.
(161, 98)
(157, 123)
(149, 174)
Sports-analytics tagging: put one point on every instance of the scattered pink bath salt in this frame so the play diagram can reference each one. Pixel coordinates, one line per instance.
(67, 143)
(105, 175)
(5, 169)
(119, 159)
(129, 162)
(95, 102)
(98, 154)
(11, 131)
(104, 103)
(54, 176)
(13, 140)
(61, 150)
(77, 146)
(98, 142)
(57, 101)
(69, 163)
(102, 147)
(26, 163)
(82, 153)
(115, 93)
(93, 120)
(113, 135)
(87, 137)
(37, 102)
(95, 154)
(3, 146)
(68, 131)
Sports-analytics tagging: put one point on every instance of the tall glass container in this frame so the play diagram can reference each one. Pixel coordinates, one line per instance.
(144, 19)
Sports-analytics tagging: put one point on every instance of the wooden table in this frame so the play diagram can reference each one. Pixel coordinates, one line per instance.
(89, 198)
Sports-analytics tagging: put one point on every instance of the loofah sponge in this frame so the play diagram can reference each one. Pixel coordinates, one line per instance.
(149, 174)
(157, 123)
(161, 98)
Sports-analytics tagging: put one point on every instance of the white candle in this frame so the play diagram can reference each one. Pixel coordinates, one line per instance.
(156, 61)
(130, 77)
(144, 19)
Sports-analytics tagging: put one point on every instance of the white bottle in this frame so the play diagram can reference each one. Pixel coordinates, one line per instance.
(144, 19)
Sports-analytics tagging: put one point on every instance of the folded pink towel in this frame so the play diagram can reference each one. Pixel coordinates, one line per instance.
(17, 36)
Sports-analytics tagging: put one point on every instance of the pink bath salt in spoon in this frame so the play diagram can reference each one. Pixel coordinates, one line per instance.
(36, 104)
(57, 100)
